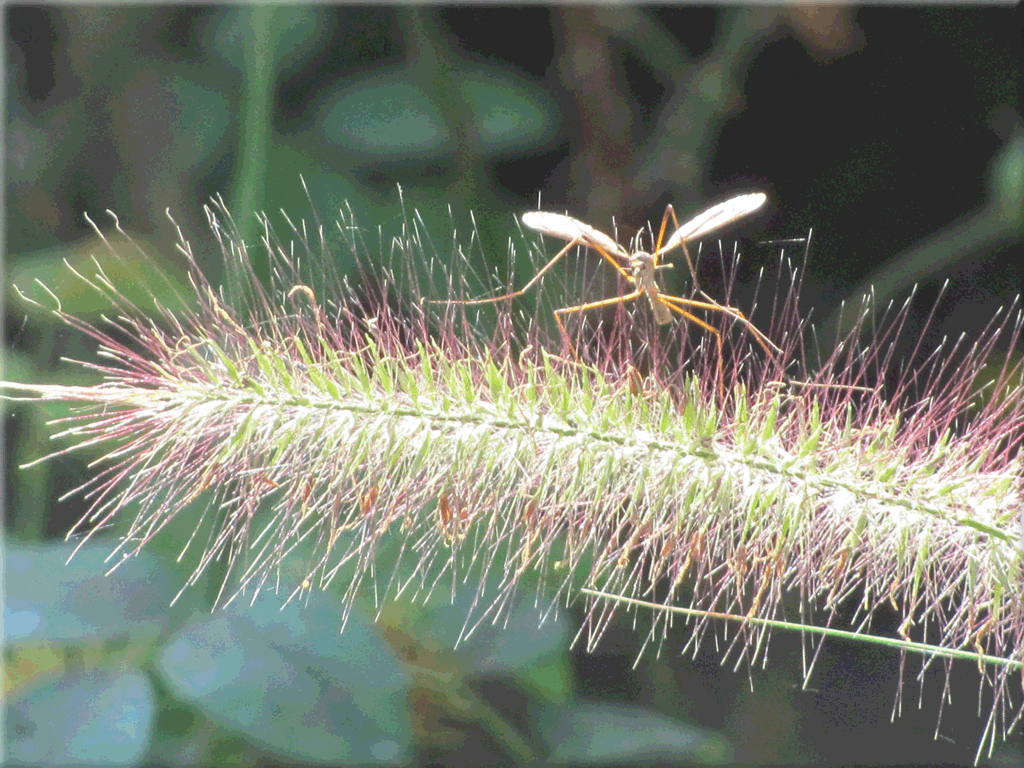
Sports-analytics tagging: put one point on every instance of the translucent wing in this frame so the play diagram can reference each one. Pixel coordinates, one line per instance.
(716, 216)
(568, 228)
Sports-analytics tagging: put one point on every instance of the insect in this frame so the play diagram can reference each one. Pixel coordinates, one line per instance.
(640, 268)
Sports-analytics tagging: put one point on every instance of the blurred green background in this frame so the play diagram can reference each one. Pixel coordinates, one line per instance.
(894, 133)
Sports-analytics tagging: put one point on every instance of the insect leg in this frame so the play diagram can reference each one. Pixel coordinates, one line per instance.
(583, 308)
(667, 301)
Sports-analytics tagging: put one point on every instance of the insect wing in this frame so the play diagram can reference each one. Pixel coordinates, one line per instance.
(716, 216)
(568, 228)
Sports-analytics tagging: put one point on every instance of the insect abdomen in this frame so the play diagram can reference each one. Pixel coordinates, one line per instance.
(661, 312)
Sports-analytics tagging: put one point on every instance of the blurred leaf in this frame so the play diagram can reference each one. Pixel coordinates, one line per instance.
(1007, 184)
(384, 114)
(611, 734)
(297, 30)
(30, 487)
(203, 120)
(455, 636)
(290, 164)
(48, 601)
(389, 114)
(29, 148)
(291, 680)
(523, 642)
(510, 113)
(99, 717)
(136, 277)
(26, 667)
(519, 635)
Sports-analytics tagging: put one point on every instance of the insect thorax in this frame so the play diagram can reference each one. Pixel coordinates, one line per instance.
(641, 265)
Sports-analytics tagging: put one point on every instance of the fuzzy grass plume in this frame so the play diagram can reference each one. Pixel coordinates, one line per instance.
(361, 436)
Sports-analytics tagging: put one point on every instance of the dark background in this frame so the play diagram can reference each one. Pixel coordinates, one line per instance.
(895, 134)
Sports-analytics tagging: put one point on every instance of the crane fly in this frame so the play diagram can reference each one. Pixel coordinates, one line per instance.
(640, 268)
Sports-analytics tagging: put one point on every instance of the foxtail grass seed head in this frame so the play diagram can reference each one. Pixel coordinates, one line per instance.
(370, 432)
